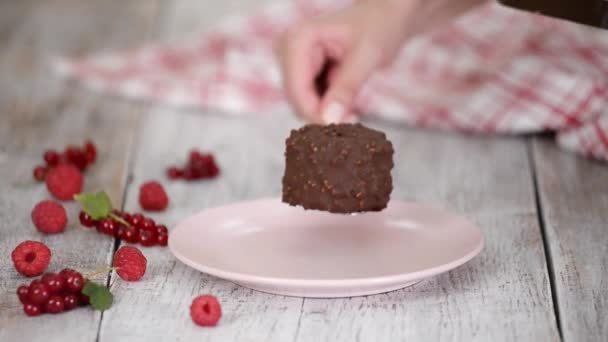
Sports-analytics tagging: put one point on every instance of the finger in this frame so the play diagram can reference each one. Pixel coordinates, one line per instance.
(345, 84)
(302, 60)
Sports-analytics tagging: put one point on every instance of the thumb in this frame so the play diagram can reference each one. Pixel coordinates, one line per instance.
(344, 85)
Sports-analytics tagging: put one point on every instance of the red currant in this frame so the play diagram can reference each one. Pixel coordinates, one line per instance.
(66, 272)
(147, 237)
(54, 282)
(74, 282)
(51, 157)
(107, 226)
(120, 232)
(71, 301)
(35, 282)
(136, 219)
(148, 224)
(161, 229)
(162, 240)
(76, 156)
(55, 304)
(40, 173)
(39, 294)
(83, 299)
(86, 220)
(23, 292)
(174, 172)
(90, 151)
(131, 235)
(32, 309)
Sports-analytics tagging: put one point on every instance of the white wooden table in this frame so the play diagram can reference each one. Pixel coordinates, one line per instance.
(544, 213)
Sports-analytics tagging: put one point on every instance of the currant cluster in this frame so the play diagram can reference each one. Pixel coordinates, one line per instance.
(79, 157)
(199, 166)
(53, 293)
(132, 228)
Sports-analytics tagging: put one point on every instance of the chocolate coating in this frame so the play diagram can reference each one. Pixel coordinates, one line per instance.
(344, 168)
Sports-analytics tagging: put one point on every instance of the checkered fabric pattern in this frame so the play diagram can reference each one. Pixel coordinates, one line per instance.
(494, 70)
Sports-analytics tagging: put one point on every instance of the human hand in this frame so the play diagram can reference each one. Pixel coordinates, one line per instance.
(352, 43)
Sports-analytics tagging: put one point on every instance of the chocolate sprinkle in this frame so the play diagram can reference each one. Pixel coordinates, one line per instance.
(344, 168)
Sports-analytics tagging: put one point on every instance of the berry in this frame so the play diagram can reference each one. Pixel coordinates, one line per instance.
(49, 217)
(54, 282)
(70, 301)
(31, 258)
(161, 229)
(131, 235)
(147, 238)
(66, 272)
(135, 220)
(23, 292)
(130, 263)
(39, 294)
(76, 157)
(74, 282)
(90, 151)
(51, 157)
(120, 232)
(64, 181)
(35, 282)
(162, 240)
(86, 220)
(205, 310)
(148, 224)
(83, 299)
(40, 173)
(174, 172)
(107, 226)
(55, 304)
(32, 309)
(152, 196)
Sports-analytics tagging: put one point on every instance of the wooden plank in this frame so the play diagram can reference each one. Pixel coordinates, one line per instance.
(39, 112)
(249, 152)
(502, 295)
(574, 199)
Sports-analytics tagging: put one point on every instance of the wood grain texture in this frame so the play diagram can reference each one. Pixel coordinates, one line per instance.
(502, 295)
(39, 112)
(249, 152)
(574, 200)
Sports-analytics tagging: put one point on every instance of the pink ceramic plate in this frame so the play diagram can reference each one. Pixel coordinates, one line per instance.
(269, 246)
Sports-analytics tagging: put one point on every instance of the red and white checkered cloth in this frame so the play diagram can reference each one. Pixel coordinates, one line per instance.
(495, 70)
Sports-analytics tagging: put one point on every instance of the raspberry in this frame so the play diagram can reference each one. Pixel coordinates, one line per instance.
(130, 263)
(152, 196)
(31, 258)
(205, 310)
(64, 181)
(49, 217)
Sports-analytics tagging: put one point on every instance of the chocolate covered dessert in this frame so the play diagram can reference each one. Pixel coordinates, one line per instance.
(344, 168)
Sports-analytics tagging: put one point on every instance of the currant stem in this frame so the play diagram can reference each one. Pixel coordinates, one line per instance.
(103, 269)
(120, 219)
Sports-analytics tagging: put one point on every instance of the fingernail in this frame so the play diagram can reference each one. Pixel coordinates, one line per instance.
(333, 113)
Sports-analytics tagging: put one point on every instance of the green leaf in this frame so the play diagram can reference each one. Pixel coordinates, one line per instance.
(97, 205)
(100, 296)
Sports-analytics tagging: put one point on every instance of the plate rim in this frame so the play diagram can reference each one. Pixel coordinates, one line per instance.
(344, 282)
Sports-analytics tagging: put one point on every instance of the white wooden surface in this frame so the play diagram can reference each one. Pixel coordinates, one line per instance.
(574, 198)
(503, 295)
